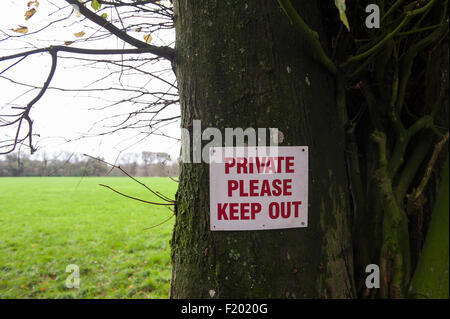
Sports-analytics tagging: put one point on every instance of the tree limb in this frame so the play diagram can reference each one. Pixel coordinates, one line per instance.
(164, 52)
(310, 36)
(159, 51)
(25, 116)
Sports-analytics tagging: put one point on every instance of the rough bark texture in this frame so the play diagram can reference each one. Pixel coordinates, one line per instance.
(240, 64)
(431, 277)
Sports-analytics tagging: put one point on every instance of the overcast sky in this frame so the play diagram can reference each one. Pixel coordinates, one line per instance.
(61, 116)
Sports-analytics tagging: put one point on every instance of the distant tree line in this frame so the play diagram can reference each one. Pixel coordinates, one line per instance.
(67, 164)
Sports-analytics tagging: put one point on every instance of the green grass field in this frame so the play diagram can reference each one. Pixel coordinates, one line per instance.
(49, 223)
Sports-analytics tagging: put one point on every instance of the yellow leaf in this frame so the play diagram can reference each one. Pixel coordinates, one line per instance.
(148, 38)
(79, 34)
(30, 13)
(21, 29)
(35, 2)
(68, 42)
(138, 29)
(340, 5)
(344, 20)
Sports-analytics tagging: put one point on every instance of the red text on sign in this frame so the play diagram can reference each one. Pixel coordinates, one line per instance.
(258, 165)
(255, 187)
(283, 209)
(235, 211)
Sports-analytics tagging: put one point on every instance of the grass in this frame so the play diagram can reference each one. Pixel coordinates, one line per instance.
(49, 223)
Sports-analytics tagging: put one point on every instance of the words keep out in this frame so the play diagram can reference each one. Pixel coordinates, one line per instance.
(247, 211)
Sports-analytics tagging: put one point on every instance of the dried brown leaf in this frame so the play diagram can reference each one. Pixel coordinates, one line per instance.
(30, 13)
(148, 38)
(20, 29)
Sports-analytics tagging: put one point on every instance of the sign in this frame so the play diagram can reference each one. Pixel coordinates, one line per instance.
(254, 188)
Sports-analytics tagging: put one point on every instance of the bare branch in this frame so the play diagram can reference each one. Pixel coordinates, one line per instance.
(158, 51)
(135, 198)
(426, 177)
(164, 221)
(25, 116)
(163, 197)
(164, 52)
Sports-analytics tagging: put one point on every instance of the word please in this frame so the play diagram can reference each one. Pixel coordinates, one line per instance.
(275, 188)
(251, 165)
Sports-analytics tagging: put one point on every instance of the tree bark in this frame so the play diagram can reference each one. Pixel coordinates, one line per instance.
(240, 64)
(431, 277)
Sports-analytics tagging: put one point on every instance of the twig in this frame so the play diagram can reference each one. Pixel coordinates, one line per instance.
(135, 198)
(308, 35)
(25, 116)
(173, 179)
(161, 196)
(426, 177)
(62, 48)
(164, 52)
(164, 221)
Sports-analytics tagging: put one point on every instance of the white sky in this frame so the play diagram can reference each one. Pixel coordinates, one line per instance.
(60, 116)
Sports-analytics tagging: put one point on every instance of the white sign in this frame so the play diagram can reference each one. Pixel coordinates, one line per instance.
(254, 188)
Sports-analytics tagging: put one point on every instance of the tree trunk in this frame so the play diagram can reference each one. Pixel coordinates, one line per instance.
(240, 64)
(431, 277)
